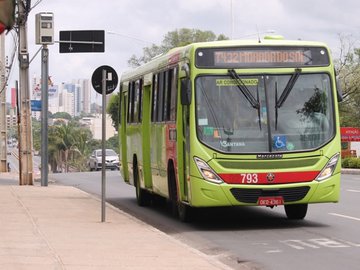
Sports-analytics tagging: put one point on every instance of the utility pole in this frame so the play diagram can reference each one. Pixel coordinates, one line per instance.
(3, 144)
(25, 148)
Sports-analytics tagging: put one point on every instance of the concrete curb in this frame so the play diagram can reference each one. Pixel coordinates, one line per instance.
(350, 171)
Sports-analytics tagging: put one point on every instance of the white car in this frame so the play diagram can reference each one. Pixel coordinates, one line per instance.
(111, 160)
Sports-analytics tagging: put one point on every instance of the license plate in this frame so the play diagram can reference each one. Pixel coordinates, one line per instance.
(270, 201)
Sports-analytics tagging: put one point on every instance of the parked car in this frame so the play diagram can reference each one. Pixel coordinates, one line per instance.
(111, 160)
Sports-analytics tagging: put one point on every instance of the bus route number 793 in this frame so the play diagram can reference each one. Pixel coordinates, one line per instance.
(249, 178)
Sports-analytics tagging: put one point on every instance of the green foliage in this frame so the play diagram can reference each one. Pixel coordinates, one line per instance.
(113, 109)
(178, 38)
(70, 145)
(36, 131)
(63, 115)
(352, 162)
(348, 70)
(113, 143)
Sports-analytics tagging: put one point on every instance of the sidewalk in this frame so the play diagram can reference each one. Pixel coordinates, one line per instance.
(59, 227)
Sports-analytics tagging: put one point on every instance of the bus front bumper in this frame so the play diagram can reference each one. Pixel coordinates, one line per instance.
(206, 194)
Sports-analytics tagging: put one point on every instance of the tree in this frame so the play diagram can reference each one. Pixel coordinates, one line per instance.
(69, 147)
(113, 143)
(113, 109)
(63, 115)
(178, 38)
(36, 131)
(348, 70)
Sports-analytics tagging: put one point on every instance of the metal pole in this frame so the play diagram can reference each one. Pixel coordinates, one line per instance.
(232, 20)
(3, 137)
(103, 175)
(44, 115)
(25, 136)
(18, 125)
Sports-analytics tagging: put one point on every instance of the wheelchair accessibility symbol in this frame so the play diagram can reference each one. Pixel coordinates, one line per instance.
(279, 142)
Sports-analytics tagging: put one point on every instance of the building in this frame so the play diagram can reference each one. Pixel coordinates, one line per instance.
(11, 121)
(95, 126)
(73, 98)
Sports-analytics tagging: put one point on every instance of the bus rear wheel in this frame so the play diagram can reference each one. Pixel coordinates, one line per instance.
(142, 196)
(296, 211)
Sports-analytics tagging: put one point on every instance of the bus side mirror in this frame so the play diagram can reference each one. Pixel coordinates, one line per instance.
(339, 91)
(185, 92)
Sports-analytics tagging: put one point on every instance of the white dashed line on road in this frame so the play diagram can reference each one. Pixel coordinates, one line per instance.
(344, 216)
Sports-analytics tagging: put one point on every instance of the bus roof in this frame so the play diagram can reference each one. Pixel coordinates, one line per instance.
(180, 53)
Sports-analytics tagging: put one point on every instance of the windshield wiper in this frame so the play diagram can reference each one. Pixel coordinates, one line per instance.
(288, 88)
(244, 90)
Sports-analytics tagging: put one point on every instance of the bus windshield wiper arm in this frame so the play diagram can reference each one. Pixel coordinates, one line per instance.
(288, 88)
(244, 90)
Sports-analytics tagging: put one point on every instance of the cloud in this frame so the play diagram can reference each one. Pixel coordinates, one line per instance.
(138, 22)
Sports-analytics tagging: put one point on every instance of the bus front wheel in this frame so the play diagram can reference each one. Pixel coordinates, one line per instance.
(296, 211)
(179, 209)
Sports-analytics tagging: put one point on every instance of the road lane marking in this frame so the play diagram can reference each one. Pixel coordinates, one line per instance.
(344, 216)
(316, 243)
(353, 190)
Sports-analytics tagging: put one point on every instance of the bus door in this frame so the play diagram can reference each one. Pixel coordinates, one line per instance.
(123, 121)
(185, 94)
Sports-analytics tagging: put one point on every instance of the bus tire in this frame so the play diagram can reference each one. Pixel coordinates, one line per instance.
(296, 211)
(142, 196)
(184, 212)
(179, 209)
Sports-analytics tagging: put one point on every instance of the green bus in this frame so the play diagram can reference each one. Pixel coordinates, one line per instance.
(232, 123)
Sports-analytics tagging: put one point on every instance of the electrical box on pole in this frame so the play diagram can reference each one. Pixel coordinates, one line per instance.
(44, 30)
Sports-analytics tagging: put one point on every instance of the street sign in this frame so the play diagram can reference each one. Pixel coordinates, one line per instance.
(350, 134)
(111, 79)
(35, 105)
(82, 41)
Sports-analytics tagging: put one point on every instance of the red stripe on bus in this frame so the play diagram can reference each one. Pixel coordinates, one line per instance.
(269, 178)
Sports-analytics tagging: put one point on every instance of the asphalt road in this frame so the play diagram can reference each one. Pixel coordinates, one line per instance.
(255, 237)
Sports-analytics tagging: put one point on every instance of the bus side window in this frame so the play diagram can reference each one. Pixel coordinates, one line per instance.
(155, 90)
(130, 106)
(136, 95)
(160, 101)
(119, 102)
(140, 99)
(170, 95)
(166, 96)
(173, 98)
(137, 104)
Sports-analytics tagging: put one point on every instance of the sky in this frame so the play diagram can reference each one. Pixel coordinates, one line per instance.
(131, 25)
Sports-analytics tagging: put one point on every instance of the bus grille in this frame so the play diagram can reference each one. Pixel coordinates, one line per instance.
(252, 195)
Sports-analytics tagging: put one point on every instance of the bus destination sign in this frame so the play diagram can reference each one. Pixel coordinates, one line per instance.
(262, 57)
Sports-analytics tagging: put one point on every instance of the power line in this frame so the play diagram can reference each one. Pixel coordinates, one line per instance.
(130, 37)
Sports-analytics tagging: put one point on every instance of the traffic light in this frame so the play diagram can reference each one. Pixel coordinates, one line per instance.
(7, 14)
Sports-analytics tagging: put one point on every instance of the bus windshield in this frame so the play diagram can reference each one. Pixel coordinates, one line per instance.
(227, 122)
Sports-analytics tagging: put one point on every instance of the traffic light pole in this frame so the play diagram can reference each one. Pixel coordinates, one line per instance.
(25, 148)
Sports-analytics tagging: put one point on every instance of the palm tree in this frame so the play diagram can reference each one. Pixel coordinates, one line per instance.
(69, 146)
(65, 142)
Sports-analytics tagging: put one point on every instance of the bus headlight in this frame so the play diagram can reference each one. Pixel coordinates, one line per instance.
(207, 173)
(328, 170)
